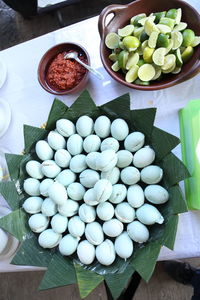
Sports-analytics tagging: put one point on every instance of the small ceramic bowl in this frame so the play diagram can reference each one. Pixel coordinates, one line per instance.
(46, 60)
(121, 15)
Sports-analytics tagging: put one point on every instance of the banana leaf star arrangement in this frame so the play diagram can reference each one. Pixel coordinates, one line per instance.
(68, 270)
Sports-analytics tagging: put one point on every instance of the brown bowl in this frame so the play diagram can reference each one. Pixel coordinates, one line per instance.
(47, 59)
(121, 16)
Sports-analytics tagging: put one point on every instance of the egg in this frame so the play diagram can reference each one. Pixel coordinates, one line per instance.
(76, 226)
(69, 208)
(113, 227)
(124, 158)
(56, 140)
(91, 160)
(135, 196)
(138, 232)
(106, 161)
(143, 157)
(94, 233)
(105, 253)
(43, 150)
(57, 192)
(91, 143)
(149, 215)
(62, 158)
(49, 239)
(112, 175)
(124, 246)
(156, 194)
(33, 168)
(86, 252)
(68, 244)
(90, 197)
(59, 223)
(105, 211)
(119, 192)
(38, 222)
(32, 205)
(87, 213)
(119, 129)
(134, 141)
(151, 174)
(75, 144)
(84, 126)
(88, 178)
(76, 191)
(44, 186)
(49, 207)
(103, 190)
(66, 177)
(124, 212)
(130, 175)
(65, 127)
(78, 163)
(32, 186)
(110, 144)
(50, 168)
(102, 126)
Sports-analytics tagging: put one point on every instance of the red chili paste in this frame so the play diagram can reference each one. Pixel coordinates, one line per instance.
(64, 74)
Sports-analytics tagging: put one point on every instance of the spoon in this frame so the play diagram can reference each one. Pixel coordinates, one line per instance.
(74, 55)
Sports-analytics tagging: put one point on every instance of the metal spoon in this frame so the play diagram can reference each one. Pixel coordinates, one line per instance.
(74, 55)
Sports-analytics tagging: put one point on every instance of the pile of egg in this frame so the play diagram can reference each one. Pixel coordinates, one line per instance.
(92, 189)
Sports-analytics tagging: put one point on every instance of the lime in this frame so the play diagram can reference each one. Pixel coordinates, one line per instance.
(178, 16)
(132, 74)
(146, 72)
(169, 47)
(144, 45)
(196, 41)
(149, 26)
(181, 26)
(171, 13)
(162, 41)
(140, 82)
(176, 70)
(188, 37)
(187, 54)
(170, 69)
(131, 42)
(163, 28)
(113, 57)
(121, 45)
(122, 59)
(147, 54)
(158, 72)
(115, 67)
(143, 37)
(141, 62)
(153, 39)
(127, 30)
(159, 15)
(112, 40)
(135, 19)
(138, 31)
(169, 61)
(168, 22)
(182, 49)
(179, 60)
(133, 59)
(159, 56)
(177, 39)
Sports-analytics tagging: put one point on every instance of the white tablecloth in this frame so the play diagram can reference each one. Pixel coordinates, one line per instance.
(30, 105)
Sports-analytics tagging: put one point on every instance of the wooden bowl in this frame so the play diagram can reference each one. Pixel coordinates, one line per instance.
(121, 15)
(47, 59)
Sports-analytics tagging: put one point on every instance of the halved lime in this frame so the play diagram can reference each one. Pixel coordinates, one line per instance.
(122, 59)
(112, 40)
(135, 19)
(168, 22)
(133, 59)
(143, 36)
(149, 26)
(146, 72)
(181, 26)
(147, 54)
(162, 41)
(141, 62)
(171, 13)
(159, 15)
(132, 74)
(170, 69)
(131, 42)
(125, 31)
(169, 47)
(143, 21)
(158, 72)
(169, 61)
(138, 31)
(121, 45)
(196, 41)
(187, 54)
(153, 39)
(113, 57)
(188, 37)
(163, 28)
(159, 56)
(178, 16)
(140, 82)
(115, 67)
(177, 39)
(176, 70)
(179, 60)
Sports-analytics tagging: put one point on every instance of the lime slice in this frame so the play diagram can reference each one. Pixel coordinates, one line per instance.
(141, 62)
(122, 59)
(159, 56)
(168, 22)
(163, 28)
(170, 69)
(178, 16)
(187, 54)
(196, 41)
(181, 26)
(169, 61)
(138, 31)
(140, 82)
(121, 45)
(113, 57)
(162, 41)
(133, 59)
(143, 37)
(177, 39)
(169, 47)
(146, 72)
(132, 74)
(149, 26)
(158, 72)
(131, 43)
(125, 31)
(135, 19)
(188, 37)
(159, 15)
(179, 60)
(176, 70)
(153, 39)
(171, 13)
(112, 40)
(115, 67)
(147, 54)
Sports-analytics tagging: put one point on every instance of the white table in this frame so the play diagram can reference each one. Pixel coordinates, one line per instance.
(30, 105)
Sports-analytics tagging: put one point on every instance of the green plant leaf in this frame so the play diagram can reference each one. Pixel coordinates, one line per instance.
(169, 236)
(13, 163)
(118, 282)
(9, 192)
(60, 272)
(32, 135)
(87, 280)
(16, 224)
(31, 254)
(177, 200)
(58, 111)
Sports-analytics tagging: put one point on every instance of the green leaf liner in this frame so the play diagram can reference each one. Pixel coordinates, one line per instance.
(58, 111)
(32, 135)
(13, 163)
(10, 194)
(169, 235)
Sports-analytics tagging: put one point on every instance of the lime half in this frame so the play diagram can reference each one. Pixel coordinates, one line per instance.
(159, 15)
(187, 54)
(149, 26)
(138, 31)
(169, 47)
(131, 43)
(153, 39)
(171, 13)
(132, 74)
(146, 72)
(122, 59)
(115, 67)
(112, 40)
(133, 59)
(177, 39)
(178, 16)
(176, 70)
(158, 72)
(147, 54)
(170, 69)
(181, 26)
(113, 57)
(162, 41)
(168, 22)
(196, 41)
(163, 28)
(135, 19)
(158, 56)
(169, 61)
(127, 30)
(188, 37)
